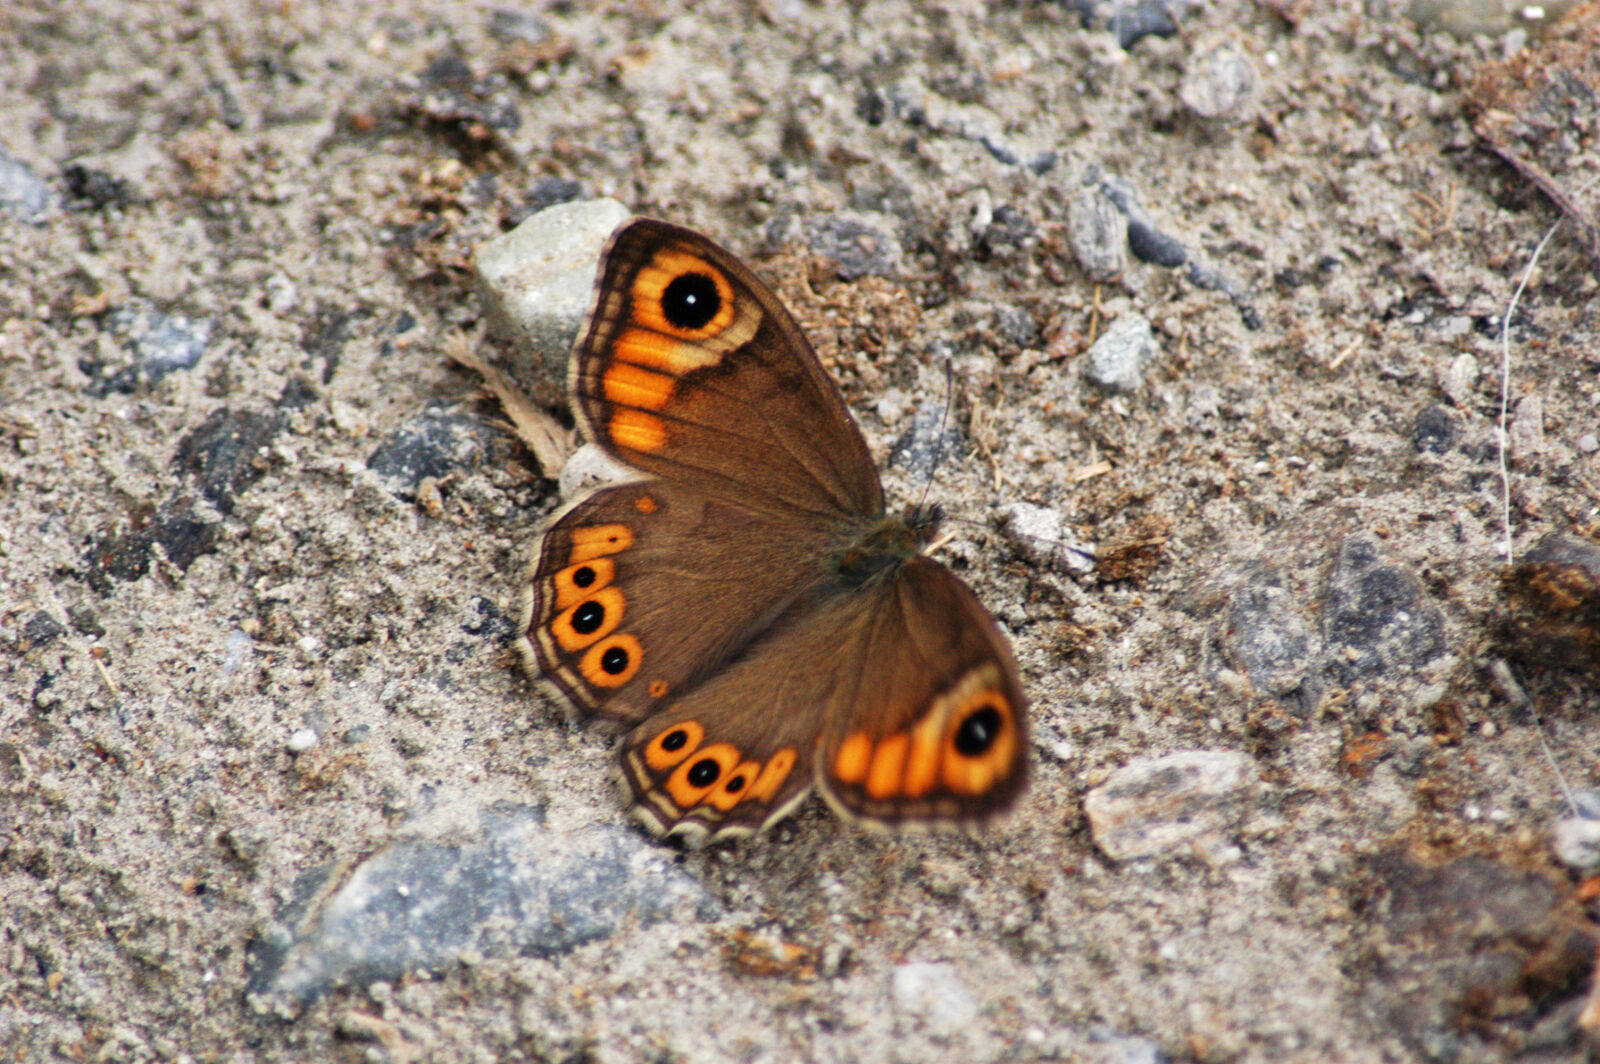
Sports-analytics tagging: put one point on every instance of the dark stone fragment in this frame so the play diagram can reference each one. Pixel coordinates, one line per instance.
(1376, 616)
(85, 621)
(857, 249)
(433, 443)
(1551, 617)
(920, 447)
(220, 459)
(1459, 956)
(872, 106)
(221, 453)
(1435, 431)
(486, 620)
(1009, 229)
(1016, 325)
(96, 189)
(40, 630)
(326, 335)
(545, 192)
(1150, 244)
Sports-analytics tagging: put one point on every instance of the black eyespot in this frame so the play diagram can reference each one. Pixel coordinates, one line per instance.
(690, 300)
(588, 617)
(583, 577)
(735, 785)
(704, 773)
(675, 740)
(614, 661)
(978, 732)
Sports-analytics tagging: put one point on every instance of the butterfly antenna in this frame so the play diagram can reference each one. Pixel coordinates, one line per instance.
(944, 425)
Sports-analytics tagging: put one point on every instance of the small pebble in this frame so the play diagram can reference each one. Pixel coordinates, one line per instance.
(1098, 232)
(1161, 805)
(1117, 359)
(1219, 83)
(934, 992)
(1576, 842)
(302, 740)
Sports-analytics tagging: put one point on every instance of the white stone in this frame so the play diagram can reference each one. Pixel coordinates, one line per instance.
(1164, 804)
(538, 279)
(933, 992)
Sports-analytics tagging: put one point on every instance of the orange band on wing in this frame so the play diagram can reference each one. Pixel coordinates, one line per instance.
(854, 757)
(597, 541)
(628, 385)
(651, 350)
(773, 773)
(637, 431)
(888, 765)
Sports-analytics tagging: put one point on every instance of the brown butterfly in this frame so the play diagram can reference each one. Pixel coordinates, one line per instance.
(746, 605)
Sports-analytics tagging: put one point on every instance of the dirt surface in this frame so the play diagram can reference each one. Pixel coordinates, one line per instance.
(254, 612)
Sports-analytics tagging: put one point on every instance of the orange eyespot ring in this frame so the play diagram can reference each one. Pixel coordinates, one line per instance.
(979, 744)
(658, 688)
(695, 778)
(577, 582)
(773, 773)
(597, 541)
(590, 620)
(734, 788)
(673, 745)
(682, 296)
(613, 661)
(646, 504)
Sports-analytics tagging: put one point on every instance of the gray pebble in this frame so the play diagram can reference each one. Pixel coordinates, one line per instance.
(1164, 805)
(22, 194)
(512, 887)
(1117, 359)
(1219, 83)
(1098, 232)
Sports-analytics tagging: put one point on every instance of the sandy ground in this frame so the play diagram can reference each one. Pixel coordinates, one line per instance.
(258, 539)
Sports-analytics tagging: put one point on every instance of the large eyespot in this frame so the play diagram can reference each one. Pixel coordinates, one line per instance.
(980, 743)
(673, 745)
(613, 661)
(590, 620)
(734, 786)
(693, 779)
(690, 300)
(577, 582)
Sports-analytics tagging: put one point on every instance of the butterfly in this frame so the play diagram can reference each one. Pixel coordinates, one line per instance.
(745, 606)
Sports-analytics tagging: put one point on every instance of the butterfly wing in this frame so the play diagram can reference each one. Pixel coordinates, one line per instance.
(690, 369)
(640, 590)
(901, 701)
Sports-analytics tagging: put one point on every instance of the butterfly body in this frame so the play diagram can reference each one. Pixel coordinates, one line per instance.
(746, 607)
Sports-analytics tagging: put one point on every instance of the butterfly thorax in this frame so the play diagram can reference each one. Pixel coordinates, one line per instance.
(881, 547)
